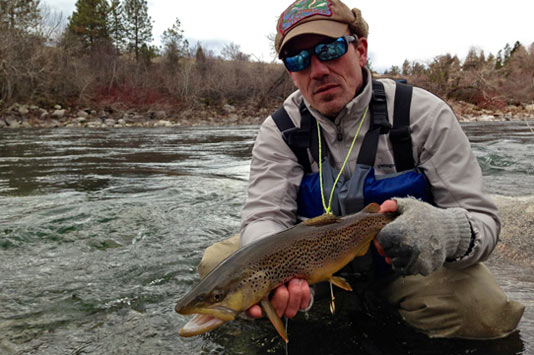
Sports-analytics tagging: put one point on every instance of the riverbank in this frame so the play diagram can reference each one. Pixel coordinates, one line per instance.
(32, 116)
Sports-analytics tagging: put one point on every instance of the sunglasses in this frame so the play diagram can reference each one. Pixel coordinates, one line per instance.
(323, 51)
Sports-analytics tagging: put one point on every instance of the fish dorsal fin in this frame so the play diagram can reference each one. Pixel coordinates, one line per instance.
(322, 220)
(273, 317)
(372, 208)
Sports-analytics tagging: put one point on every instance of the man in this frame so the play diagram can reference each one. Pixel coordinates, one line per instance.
(434, 247)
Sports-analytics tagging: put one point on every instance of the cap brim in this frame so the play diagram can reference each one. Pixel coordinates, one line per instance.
(327, 28)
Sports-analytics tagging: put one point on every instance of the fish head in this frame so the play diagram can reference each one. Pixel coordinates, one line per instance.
(214, 302)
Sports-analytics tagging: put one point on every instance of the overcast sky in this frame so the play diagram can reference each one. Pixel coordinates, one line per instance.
(417, 30)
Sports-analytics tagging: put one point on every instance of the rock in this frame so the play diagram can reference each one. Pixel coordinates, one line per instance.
(14, 124)
(110, 122)
(59, 113)
(10, 120)
(486, 118)
(163, 123)
(158, 115)
(83, 114)
(3, 124)
(228, 108)
(23, 110)
(57, 107)
(529, 108)
(80, 119)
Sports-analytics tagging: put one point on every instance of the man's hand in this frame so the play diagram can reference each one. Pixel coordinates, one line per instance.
(422, 237)
(287, 299)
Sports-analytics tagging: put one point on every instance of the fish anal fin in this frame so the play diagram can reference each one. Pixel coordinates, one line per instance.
(363, 249)
(373, 207)
(324, 219)
(340, 282)
(273, 317)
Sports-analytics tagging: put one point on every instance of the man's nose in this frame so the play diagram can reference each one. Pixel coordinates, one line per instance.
(318, 69)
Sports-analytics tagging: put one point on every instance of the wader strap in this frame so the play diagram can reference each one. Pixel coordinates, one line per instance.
(299, 139)
(400, 134)
(379, 125)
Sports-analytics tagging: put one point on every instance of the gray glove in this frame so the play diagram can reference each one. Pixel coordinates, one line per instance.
(422, 237)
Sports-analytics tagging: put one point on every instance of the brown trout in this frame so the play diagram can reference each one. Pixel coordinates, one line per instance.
(312, 250)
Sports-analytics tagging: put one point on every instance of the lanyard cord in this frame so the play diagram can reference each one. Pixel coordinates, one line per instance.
(328, 209)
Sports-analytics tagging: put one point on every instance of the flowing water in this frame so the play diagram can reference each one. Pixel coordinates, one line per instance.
(101, 232)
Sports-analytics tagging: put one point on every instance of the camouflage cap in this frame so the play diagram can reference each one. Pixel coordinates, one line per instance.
(324, 17)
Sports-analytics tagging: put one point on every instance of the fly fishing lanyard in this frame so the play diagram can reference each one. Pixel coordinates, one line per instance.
(328, 209)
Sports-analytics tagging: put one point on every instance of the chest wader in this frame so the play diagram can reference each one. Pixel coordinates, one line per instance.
(364, 186)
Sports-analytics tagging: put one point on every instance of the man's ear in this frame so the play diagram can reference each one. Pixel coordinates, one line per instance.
(361, 47)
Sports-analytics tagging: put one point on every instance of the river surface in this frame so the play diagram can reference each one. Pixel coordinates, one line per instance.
(101, 232)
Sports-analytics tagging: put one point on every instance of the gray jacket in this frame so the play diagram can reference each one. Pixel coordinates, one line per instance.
(440, 149)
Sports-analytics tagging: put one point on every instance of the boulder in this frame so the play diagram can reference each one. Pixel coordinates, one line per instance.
(158, 115)
(59, 113)
(110, 122)
(23, 110)
(228, 108)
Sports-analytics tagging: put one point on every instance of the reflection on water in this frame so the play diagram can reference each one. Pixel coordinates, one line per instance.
(101, 232)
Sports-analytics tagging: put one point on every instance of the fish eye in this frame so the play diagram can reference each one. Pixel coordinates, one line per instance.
(217, 296)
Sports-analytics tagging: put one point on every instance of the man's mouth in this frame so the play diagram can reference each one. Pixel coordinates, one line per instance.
(324, 88)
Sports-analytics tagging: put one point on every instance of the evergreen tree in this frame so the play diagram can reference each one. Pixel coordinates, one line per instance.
(22, 15)
(89, 22)
(138, 25)
(406, 67)
(175, 46)
(116, 25)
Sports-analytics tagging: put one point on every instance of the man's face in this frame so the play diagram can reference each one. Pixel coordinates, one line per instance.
(329, 86)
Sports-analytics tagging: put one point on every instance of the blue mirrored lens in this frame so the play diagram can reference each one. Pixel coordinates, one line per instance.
(331, 51)
(298, 62)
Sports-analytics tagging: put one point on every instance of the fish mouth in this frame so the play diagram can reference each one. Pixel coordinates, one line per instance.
(205, 320)
(199, 324)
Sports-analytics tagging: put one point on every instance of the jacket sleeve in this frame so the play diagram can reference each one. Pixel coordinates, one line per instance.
(455, 177)
(275, 177)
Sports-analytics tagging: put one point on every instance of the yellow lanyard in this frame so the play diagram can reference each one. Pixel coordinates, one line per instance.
(328, 209)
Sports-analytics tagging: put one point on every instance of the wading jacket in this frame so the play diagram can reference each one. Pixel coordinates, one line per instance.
(441, 151)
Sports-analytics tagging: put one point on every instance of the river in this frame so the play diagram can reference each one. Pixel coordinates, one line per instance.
(101, 232)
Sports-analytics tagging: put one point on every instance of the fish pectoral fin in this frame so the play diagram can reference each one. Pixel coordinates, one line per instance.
(273, 317)
(324, 219)
(340, 282)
